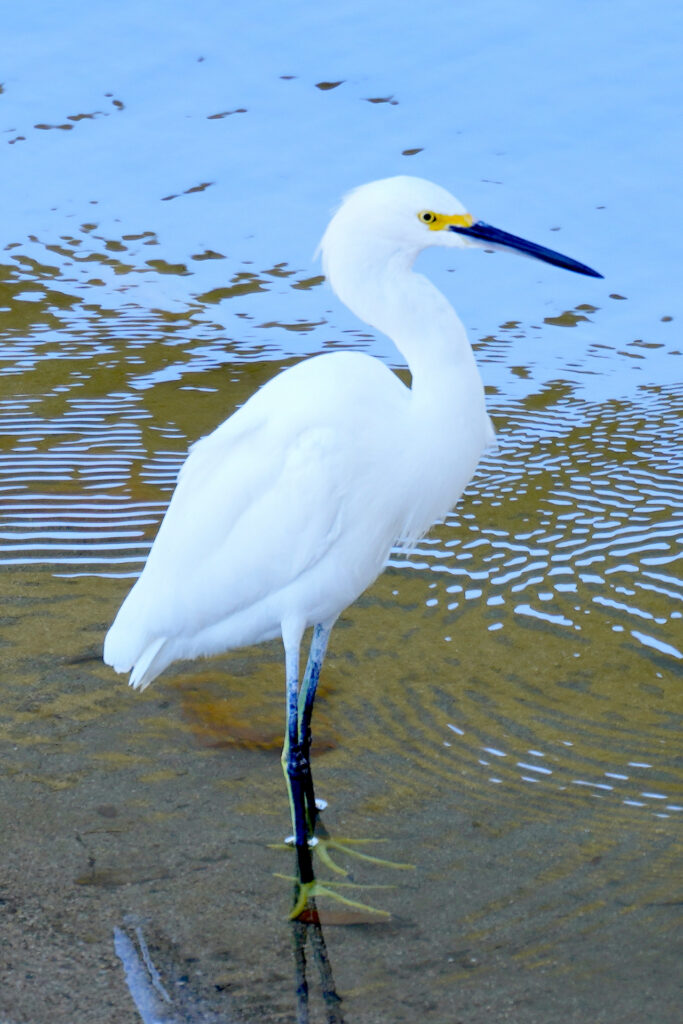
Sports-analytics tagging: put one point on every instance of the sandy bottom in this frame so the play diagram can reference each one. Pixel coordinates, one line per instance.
(524, 905)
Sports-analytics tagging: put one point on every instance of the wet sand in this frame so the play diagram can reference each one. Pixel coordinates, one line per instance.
(523, 906)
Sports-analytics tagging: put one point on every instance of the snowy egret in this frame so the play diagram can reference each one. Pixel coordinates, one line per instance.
(288, 510)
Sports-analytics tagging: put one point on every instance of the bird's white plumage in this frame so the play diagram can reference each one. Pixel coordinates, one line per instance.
(287, 511)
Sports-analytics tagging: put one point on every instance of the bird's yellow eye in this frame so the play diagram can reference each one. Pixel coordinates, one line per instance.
(427, 217)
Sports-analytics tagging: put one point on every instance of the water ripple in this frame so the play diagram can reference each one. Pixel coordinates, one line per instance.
(607, 529)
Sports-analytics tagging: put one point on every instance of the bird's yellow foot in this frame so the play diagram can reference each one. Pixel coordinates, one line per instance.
(322, 844)
(349, 847)
(314, 889)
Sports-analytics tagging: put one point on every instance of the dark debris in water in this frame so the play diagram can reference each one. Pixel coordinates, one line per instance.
(208, 254)
(48, 127)
(226, 113)
(188, 191)
(567, 319)
(306, 283)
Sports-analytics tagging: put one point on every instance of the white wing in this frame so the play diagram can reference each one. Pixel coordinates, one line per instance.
(264, 499)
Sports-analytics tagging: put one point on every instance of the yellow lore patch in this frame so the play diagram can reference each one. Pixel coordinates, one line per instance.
(439, 221)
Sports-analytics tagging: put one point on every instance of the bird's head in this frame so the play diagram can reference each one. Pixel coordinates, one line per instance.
(404, 215)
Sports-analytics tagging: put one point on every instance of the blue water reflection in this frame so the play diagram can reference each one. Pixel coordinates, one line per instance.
(542, 119)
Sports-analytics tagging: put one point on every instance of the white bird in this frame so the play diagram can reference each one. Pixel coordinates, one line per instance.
(287, 512)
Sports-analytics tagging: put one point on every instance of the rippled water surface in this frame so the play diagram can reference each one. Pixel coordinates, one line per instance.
(502, 707)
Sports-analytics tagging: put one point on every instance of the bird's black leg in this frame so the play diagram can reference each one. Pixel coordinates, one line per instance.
(321, 635)
(299, 773)
(297, 769)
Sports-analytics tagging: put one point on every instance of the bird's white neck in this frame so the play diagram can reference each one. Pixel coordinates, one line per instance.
(446, 427)
(383, 290)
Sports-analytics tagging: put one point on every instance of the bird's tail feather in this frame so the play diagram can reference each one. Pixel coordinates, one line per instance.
(150, 663)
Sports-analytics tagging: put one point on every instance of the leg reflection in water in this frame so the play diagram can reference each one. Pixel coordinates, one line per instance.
(306, 928)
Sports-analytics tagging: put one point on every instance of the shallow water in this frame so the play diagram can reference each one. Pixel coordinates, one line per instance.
(502, 708)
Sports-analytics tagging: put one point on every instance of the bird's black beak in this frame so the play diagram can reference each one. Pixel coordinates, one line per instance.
(485, 234)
